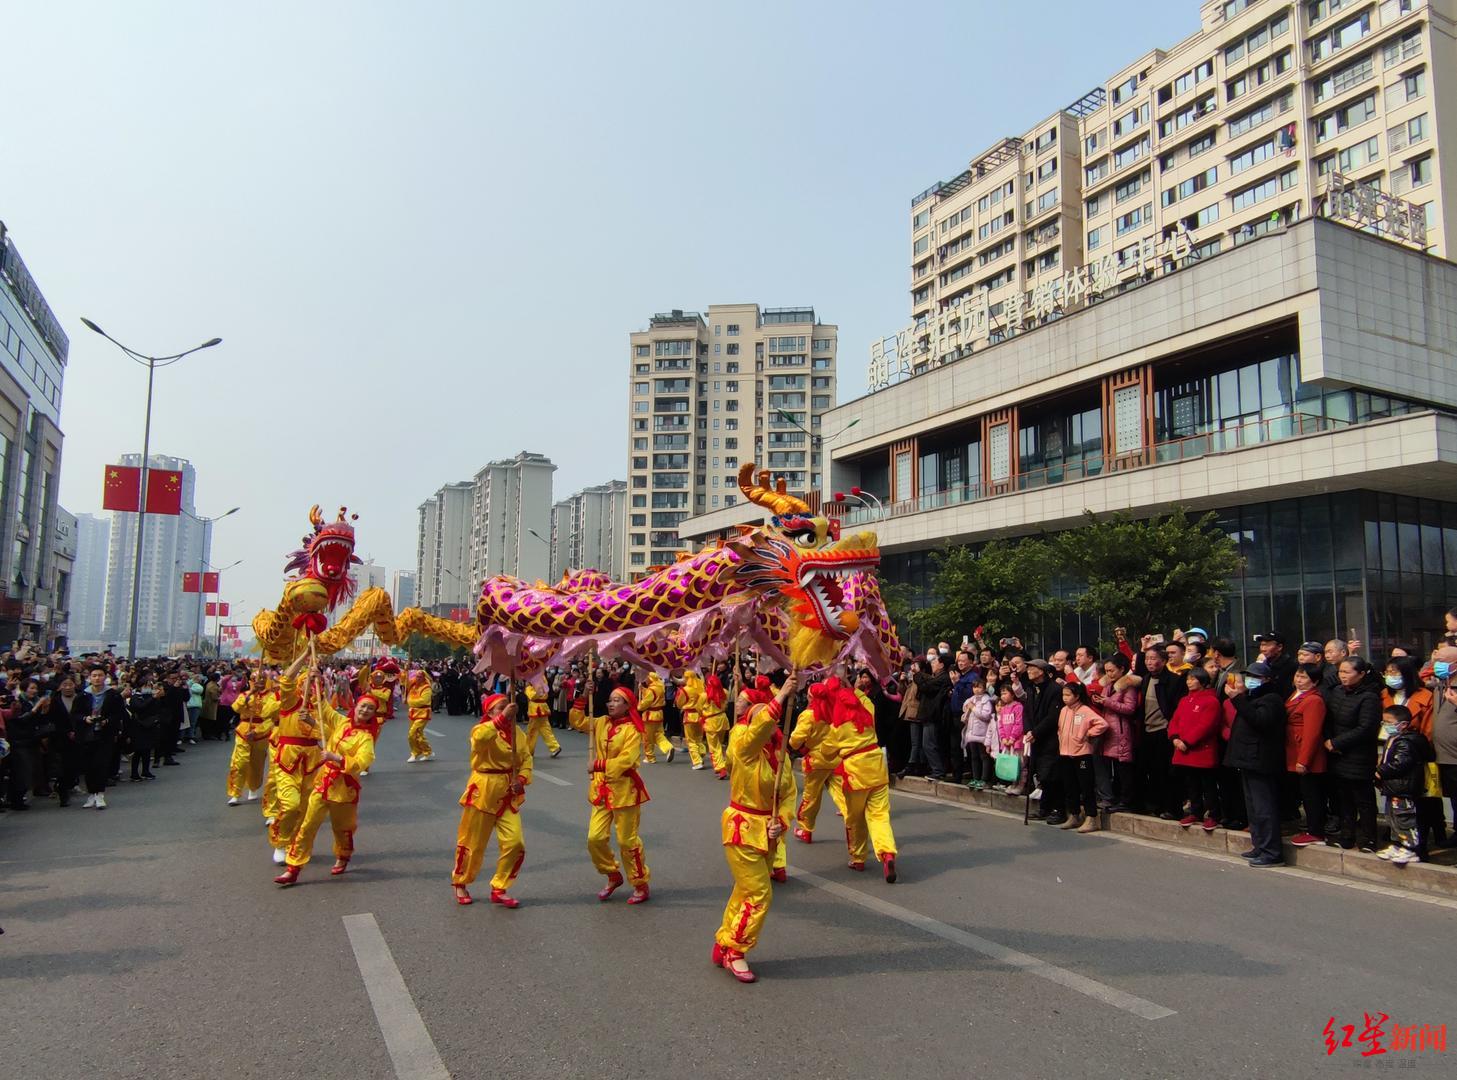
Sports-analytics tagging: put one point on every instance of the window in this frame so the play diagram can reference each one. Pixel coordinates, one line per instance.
(1096, 171)
(1252, 156)
(1046, 139)
(921, 220)
(1092, 142)
(1046, 169)
(1410, 87)
(733, 348)
(1349, 116)
(1095, 237)
(923, 244)
(1131, 153)
(1097, 204)
(1047, 199)
(1184, 117)
(1190, 186)
(1126, 90)
(638, 501)
(1360, 155)
(1338, 82)
(1207, 216)
(1129, 187)
(1249, 196)
(1133, 219)
(1259, 114)
(637, 350)
(1395, 52)
(1342, 37)
(1130, 120)
(1407, 134)
(1421, 171)
(733, 329)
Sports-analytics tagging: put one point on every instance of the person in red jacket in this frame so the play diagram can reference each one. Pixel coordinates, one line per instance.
(1194, 731)
(1305, 751)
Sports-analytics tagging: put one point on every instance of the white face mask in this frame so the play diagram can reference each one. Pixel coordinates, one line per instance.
(930, 656)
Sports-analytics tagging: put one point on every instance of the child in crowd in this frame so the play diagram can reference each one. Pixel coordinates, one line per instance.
(1005, 735)
(1402, 776)
(976, 721)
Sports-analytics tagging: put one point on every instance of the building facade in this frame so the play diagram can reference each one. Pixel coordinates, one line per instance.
(168, 619)
(442, 570)
(1271, 112)
(510, 529)
(709, 392)
(1302, 386)
(402, 590)
(589, 531)
(88, 582)
(33, 354)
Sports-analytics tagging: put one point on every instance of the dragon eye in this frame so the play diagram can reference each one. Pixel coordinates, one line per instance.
(804, 537)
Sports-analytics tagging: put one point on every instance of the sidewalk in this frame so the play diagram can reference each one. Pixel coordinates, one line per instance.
(1434, 879)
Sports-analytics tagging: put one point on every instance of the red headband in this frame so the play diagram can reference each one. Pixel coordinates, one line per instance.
(634, 717)
(822, 699)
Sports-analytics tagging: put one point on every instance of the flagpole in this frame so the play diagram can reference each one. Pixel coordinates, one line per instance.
(131, 640)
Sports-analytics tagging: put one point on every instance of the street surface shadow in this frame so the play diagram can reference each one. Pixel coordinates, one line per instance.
(41, 908)
(93, 962)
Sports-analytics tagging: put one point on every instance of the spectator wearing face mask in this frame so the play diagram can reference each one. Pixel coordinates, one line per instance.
(1256, 747)
(1444, 717)
(1353, 726)
(1305, 751)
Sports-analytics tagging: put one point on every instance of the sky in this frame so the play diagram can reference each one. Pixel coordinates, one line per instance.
(424, 231)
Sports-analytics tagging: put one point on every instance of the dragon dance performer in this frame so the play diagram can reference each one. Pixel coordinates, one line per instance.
(379, 682)
(295, 760)
(715, 722)
(617, 793)
(652, 697)
(864, 778)
(350, 749)
(538, 721)
(500, 771)
(256, 721)
(753, 821)
(417, 701)
(689, 699)
(808, 739)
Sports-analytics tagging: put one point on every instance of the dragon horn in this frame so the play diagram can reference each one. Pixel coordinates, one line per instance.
(316, 516)
(773, 499)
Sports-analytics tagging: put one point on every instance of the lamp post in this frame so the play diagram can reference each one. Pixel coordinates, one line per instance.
(202, 564)
(151, 363)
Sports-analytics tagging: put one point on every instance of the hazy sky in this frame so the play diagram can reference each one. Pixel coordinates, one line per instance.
(424, 229)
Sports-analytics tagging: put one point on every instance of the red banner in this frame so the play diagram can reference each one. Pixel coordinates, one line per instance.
(219, 608)
(121, 488)
(189, 582)
(210, 583)
(164, 491)
(459, 614)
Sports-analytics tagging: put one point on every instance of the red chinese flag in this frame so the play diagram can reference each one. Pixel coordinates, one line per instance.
(164, 491)
(190, 582)
(121, 488)
(210, 583)
(212, 609)
(223, 609)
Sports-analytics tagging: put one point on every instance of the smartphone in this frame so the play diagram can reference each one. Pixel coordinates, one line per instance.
(965, 640)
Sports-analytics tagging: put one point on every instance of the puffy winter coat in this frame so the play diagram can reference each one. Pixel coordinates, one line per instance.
(1257, 732)
(1353, 724)
(1078, 727)
(1119, 707)
(1403, 766)
(1197, 720)
(1305, 732)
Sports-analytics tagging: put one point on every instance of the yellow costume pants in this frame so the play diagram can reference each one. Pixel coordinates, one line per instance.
(867, 817)
(270, 793)
(292, 794)
(815, 783)
(540, 727)
(599, 845)
(743, 918)
(474, 834)
(419, 745)
(343, 816)
(718, 750)
(245, 770)
(653, 737)
(693, 739)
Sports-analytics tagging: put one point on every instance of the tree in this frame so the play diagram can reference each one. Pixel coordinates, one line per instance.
(896, 596)
(419, 647)
(1152, 574)
(1004, 587)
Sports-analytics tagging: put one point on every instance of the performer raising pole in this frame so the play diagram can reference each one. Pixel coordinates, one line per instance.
(617, 793)
(492, 802)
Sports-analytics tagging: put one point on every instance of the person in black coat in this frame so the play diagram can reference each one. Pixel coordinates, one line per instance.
(1256, 747)
(1039, 719)
(934, 690)
(29, 727)
(99, 717)
(1353, 726)
(141, 727)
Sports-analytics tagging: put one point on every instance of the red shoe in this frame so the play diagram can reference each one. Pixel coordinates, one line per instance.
(288, 877)
(723, 775)
(716, 956)
(857, 866)
(1187, 820)
(640, 895)
(463, 896)
(803, 835)
(498, 896)
(614, 882)
(729, 957)
(780, 874)
(888, 865)
(1306, 839)
(1209, 824)
(339, 867)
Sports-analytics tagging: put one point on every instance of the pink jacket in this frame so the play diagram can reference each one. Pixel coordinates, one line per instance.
(1077, 727)
(1005, 735)
(1119, 708)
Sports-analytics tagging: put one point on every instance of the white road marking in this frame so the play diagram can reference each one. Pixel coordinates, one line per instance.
(1108, 995)
(411, 1048)
(1198, 853)
(550, 779)
(437, 734)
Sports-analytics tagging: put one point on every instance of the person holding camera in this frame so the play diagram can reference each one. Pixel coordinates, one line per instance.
(99, 721)
(29, 727)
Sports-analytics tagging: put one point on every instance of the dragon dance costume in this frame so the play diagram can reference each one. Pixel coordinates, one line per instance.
(335, 794)
(864, 778)
(808, 739)
(251, 740)
(295, 761)
(616, 793)
(417, 701)
(538, 721)
(651, 699)
(500, 772)
(715, 723)
(690, 705)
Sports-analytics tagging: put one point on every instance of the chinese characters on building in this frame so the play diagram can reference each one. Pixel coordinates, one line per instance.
(1366, 207)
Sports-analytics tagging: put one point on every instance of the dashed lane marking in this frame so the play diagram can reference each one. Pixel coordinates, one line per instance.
(405, 1037)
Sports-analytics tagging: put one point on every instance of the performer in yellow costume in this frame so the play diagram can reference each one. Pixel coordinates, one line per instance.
(617, 793)
(500, 770)
(350, 749)
(808, 738)
(417, 701)
(295, 757)
(754, 820)
(652, 696)
(538, 721)
(864, 778)
(715, 722)
(689, 699)
(250, 741)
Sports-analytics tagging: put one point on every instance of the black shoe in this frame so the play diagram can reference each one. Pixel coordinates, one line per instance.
(1247, 854)
(1263, 862)
(1055, 819)
(149, 776)
(136, 779)
(171, 761)
(1369, 849)
(1119, 808)
(1164, 815)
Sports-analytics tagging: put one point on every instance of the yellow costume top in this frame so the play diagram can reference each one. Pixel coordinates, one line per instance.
(852, 743)
(419, 698)
(496, 760)
(338, 781)
(615, 782)
(690, 698)
(650, 699)
(715, 716)
(537, 707)
(809, 736)
(754, 747)
(295, 736)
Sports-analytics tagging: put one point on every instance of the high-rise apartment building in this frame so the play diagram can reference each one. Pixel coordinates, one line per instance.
(402, 590)
(1271, 112)
(173, 544)
(88, 583)
(511, 519)
(589, 531)
(33, 354)
(711, 391)
(443, 546)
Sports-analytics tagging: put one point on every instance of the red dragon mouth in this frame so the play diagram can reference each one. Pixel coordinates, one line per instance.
(819, 582)
(331, 556)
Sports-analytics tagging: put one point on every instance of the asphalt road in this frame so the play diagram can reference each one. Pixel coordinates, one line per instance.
(147, 940)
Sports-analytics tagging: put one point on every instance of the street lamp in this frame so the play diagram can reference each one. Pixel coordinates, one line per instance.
(151, 363)
(817, 439)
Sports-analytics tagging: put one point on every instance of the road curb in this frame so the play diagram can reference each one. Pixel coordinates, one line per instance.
(1428, 878)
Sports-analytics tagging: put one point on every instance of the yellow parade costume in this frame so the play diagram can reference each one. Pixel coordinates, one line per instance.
(295, 760)
(864, 779)
(756, 748)
(250, 746)
(808, 738)
(690, 704)
(335, 794)
(616, 793)
(418, 701)
(650, 700)
(715, 723)
(538, 722)
(500, 770)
